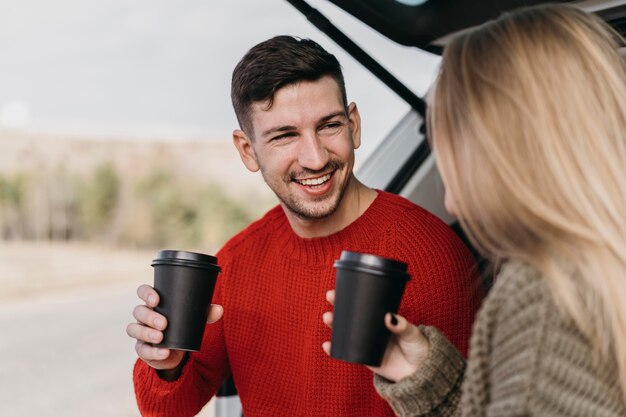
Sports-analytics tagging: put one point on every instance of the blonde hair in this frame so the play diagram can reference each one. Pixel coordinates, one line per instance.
(528, 122)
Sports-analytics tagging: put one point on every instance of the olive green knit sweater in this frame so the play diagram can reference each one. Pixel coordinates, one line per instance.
(526, 359)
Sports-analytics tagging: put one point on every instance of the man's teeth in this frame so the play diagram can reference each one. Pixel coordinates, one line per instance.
(315, 181)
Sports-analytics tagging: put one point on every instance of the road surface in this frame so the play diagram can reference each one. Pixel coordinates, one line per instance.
(66, 353)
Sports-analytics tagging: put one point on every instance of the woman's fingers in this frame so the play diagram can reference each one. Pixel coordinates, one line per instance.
(404, 330)
(406, 350)
(326, 348)
(327, 318)
(216, 312)
(330, 296)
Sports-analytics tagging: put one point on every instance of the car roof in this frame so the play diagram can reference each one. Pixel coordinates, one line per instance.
(426, 23)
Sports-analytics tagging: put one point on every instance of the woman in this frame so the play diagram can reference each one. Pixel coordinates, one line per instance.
(528, 125)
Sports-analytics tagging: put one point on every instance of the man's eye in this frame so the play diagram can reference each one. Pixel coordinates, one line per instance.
(284, 136)
(331, 125)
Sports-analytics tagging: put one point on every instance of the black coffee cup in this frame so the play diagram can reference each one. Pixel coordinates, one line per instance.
(367, 287)
(185, 282)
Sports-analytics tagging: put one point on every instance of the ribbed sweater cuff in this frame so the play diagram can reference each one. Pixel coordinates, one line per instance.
(436, 381)
(158, 391)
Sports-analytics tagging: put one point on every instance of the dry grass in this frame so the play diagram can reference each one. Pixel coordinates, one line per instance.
(27, 268)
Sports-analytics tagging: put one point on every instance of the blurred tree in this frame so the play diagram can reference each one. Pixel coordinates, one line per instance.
(97, 200)
(221, 216)
(12, 213)
(158, 210)
(190, 214)
(172, 218)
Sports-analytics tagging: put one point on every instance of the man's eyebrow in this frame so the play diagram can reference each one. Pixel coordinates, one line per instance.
(278, 129)
(332, 116)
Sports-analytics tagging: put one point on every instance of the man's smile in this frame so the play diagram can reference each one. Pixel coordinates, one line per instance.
(315, 182)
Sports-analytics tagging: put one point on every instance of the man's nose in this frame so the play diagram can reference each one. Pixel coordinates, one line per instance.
(313, 153)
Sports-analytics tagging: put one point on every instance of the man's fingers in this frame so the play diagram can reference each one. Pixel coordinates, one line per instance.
(149, 317)
(143, 333)
(150, 353)
(148, 295)
(216, 312)
(326, 347)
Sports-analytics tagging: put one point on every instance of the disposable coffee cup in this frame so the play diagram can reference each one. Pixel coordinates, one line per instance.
(185, 282)
(367, 287)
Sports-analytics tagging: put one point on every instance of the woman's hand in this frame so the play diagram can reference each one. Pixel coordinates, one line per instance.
(406, 350)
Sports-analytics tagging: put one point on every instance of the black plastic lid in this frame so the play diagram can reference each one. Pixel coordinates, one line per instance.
(178, 257)
(372, 263)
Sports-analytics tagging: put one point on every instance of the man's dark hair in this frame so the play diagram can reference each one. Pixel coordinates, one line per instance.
(274, 64)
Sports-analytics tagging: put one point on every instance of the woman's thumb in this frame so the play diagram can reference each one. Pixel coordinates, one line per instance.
(400, 327)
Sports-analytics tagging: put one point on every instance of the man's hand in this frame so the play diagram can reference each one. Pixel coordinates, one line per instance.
(406, 350)
(149, 329)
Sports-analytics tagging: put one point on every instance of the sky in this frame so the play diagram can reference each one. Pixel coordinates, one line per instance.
(159, 68)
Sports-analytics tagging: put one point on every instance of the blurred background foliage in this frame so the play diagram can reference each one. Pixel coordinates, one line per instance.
(105, 202)
(184, 213)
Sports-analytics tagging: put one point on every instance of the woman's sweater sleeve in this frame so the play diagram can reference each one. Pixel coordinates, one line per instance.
(435, 389)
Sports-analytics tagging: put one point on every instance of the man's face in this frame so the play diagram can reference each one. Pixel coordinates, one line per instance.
(304, 146)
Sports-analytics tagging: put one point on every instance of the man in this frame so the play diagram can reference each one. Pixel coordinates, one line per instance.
(299, 131)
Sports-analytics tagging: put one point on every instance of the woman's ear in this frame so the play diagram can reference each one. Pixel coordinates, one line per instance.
(244, 146)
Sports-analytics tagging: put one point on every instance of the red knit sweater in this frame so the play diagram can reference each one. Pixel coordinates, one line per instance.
(273, 286)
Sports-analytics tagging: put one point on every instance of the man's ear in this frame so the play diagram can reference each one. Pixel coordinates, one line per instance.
(244, 145)
(355, 124)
